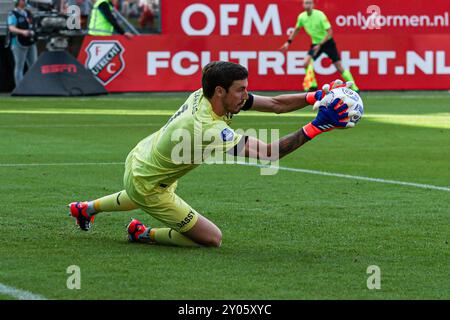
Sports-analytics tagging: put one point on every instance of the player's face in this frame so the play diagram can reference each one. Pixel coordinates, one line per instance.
(308, 5)
(236, 96)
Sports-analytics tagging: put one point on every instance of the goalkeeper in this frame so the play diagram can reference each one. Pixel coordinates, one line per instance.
(318, 27)
(151, 172)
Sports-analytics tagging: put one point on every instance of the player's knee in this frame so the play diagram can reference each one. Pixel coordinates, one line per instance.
(218, 239)
(214, 239)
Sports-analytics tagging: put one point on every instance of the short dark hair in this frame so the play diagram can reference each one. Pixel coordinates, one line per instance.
(222, 74)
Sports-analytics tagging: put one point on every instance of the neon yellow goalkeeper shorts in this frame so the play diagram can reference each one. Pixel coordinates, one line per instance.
(161, 202)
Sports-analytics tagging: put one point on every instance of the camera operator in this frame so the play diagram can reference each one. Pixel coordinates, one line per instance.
(23, 46)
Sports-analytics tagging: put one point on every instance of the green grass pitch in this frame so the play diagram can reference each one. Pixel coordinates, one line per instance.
(292, 235)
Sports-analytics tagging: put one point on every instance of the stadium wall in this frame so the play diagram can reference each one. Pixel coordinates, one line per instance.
(386, 45)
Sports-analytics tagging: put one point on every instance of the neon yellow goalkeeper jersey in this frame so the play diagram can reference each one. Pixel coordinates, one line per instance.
(316, 25)
(189, 137)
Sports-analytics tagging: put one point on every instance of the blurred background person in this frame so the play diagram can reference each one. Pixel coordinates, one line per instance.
(143, 14)
(21, 39)
(103, 22)
(147, 17)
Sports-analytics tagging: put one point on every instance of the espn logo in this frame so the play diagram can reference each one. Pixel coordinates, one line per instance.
(58, 68)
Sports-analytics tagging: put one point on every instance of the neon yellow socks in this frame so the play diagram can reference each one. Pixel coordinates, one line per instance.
(348, 77)
(120, 201)
(170, 237)
(114, 202)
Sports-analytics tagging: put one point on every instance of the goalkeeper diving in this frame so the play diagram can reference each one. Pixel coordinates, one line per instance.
(151, 174)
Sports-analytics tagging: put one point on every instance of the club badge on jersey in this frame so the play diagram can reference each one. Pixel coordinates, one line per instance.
(227, 134)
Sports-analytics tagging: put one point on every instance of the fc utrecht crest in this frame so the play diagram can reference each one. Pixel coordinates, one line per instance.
(105, 59)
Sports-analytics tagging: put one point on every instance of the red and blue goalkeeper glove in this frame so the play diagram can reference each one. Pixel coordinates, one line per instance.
(331, 116)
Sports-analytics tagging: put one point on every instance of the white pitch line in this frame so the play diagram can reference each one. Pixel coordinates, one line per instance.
(307, 171)
(19, 294)
(347, 176)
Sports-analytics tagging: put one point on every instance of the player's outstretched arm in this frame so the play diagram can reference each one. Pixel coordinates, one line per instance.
(285, 102)
(330, 117)
(258, 149)
(290, 102)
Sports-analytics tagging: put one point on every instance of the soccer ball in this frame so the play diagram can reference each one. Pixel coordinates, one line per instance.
(350, 98)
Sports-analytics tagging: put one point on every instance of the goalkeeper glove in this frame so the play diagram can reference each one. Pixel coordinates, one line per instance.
(335, 115)
(316, 96)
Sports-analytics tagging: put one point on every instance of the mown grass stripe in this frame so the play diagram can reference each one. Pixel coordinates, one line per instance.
(307, 171)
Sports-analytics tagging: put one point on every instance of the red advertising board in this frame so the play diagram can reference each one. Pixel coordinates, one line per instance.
(385, 44)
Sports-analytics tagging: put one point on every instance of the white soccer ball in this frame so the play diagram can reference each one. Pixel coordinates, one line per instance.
(350, 98)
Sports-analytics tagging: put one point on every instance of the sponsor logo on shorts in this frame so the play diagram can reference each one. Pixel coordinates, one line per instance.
(186, 220)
